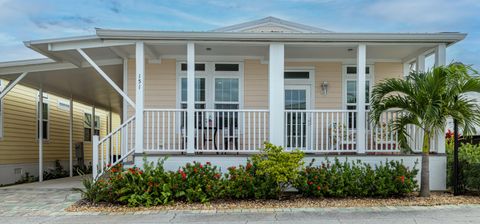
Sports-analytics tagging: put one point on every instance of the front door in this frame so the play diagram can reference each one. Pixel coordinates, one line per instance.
(297, 100)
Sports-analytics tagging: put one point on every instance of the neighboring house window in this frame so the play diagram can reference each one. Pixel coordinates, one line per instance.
(87, 127)
(350, 87)
(44, 119)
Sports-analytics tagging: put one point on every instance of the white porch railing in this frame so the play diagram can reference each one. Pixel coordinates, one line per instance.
(245, 130)
(320, 131)
(163, 130)
(113, 148)
(382, 137)
(223, 130)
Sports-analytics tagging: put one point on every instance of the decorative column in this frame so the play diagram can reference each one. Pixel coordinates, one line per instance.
(361, 116)
(440, 60)
(40, 135)
(139, 95)
(190, 98)
(276, 93)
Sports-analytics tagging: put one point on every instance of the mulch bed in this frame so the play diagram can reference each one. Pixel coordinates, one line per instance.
(296, 202)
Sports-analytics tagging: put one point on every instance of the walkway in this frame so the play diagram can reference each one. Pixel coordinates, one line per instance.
(45, 203)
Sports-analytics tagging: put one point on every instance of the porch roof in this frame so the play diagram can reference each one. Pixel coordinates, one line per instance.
(67, 80)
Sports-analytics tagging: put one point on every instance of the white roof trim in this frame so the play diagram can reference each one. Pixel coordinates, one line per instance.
(301, 28)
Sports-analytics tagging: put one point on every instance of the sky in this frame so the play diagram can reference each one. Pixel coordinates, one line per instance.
(22, 20)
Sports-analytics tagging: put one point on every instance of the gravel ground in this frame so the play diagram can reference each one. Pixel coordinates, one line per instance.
(434, 199)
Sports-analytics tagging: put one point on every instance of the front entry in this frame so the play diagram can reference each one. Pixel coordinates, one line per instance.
(297, 100)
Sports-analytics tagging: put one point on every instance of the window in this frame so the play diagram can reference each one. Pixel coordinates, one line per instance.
(199, 93)
(44, 118)
(350, 87)
(198, 67)
(226, 93)
(227, 67)
(297, 75)
(87, 127)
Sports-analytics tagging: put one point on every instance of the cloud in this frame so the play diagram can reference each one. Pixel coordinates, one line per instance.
(7, 40)
(423, 11)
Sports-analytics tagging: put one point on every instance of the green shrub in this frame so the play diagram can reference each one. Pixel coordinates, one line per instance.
(242, 182)
(197, 182)
(469, 164)
(283, 167)
(356, 179)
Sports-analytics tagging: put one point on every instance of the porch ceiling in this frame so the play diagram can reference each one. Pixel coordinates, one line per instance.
(83, 84)
(401, 52)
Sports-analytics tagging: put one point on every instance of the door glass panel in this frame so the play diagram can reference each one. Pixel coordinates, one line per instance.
(296, 99)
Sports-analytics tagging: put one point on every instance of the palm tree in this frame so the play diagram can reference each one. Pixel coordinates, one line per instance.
(426, 100)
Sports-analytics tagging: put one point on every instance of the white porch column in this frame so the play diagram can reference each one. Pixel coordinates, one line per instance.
(190, 98)
(125, 107)
(440, 60)
(40, 135)
(361, 116)
(70, 139)
(139, 95)
(421, 63)
(276, 93)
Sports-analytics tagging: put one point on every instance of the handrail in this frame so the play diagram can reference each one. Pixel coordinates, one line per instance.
(117, 129)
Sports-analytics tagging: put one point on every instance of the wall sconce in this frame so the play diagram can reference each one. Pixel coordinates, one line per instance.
(325, 87)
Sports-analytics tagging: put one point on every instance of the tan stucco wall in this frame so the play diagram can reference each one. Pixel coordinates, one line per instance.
(385, 70)
(19, 143)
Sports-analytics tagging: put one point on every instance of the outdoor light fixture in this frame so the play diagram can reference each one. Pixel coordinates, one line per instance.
(325, 87)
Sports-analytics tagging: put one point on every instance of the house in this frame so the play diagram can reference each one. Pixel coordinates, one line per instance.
(218, 95)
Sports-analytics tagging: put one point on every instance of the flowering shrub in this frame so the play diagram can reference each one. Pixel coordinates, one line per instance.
(197, 182)
(356, 179)
(265, 177)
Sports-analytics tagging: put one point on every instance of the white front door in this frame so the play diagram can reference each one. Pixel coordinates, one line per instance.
(297, 100)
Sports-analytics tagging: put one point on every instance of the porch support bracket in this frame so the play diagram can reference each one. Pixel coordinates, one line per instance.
(12, 84)
(105, 76)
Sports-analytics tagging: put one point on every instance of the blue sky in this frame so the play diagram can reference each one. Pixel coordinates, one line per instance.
(29, 20)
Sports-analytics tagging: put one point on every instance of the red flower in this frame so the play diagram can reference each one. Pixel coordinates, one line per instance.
(195, 170)
(249, 165)
(109, 165)
(217, 176)
(232, 168)
(402, 179)
(201, 166)
(208, 163)
(310, 182)
(318, 188)
(184, 175)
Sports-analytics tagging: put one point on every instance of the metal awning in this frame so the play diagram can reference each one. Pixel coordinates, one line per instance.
(66, 80)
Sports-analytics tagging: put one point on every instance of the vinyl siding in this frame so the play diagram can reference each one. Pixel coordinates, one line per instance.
(19, 143)
(384, 70)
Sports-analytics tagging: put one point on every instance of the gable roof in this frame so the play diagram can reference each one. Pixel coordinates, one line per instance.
(271, 25)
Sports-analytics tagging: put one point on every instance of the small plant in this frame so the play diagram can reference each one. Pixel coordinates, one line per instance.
(243, 182)
(56, 172)
(27, 178)
(273, 162)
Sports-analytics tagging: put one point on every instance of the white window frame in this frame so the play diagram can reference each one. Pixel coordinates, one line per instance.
(310, 81)
(99, 126)
(210, 74)
(45, 101)
(353, 77)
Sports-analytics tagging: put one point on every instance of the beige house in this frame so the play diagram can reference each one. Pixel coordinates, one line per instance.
(218, 95)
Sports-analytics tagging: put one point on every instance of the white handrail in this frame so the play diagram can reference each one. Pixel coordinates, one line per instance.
(117, 129)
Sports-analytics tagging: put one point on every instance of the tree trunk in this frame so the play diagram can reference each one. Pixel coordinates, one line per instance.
(425, 172)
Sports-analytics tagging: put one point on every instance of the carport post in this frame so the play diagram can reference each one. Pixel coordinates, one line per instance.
(70, 151)
(40, 135)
